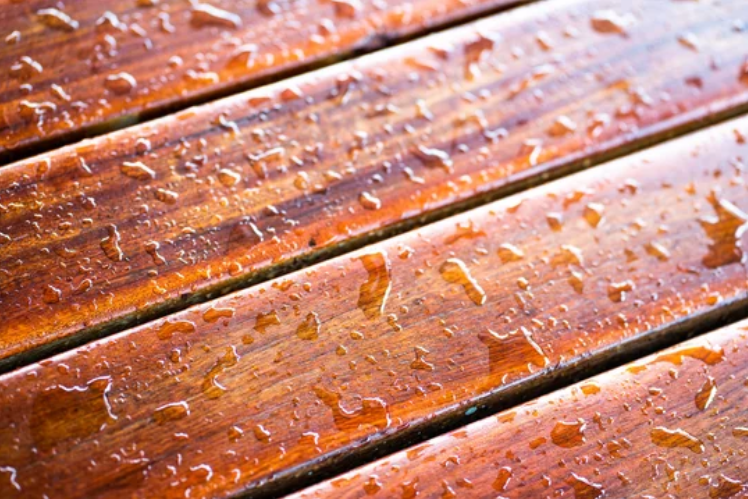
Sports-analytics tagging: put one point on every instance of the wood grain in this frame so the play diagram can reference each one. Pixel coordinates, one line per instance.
(102, 64)
(96, 236)
(671, 425)
(255, 390)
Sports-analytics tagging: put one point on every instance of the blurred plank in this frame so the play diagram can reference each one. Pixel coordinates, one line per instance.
(103, 63)
(671, 425)
(260, 388)
(120, 228)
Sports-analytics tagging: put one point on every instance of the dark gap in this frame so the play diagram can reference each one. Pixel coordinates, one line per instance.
(564, 376)
(163, 309)
(378, 42)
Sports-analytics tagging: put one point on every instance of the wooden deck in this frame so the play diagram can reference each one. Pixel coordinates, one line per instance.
(461, 266)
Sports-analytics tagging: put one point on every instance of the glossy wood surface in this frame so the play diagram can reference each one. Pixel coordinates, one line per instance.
(264, 386)
(88, 65)
(670, 425)
(99, 234)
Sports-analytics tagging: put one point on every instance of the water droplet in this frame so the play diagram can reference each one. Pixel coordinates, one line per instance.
(726, 487)
(593, 213)
(171, 412)
(168, 328)
(263, 321)
(455, 271)
(725, 231)
(665, 437)
(434, 158)
(617, 290)
(563, 125)
(56, 19)
(369, 202)
(512, 353)
(261, 433)
(420, 362)
(569, 434)
(309, 329)
(137, 170)
(228, 178)
(211, 387)
(373, 293)
(705, 395)
(585, 489)
(707, 354)
(214, 314)
(204, 14)
(503, 476)
(373, 411)
(120, 83)
(51, 294)
(510, 253)
(166, 196)
(110, 244)
(474, 52)
(608, 21)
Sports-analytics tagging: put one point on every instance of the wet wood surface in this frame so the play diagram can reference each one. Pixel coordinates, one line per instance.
(98, 235)
(92, 64)
(255, 390)
(670, 425)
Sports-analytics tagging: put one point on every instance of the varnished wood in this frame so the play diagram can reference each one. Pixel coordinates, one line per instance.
(104, 63)
(671, 425)
(97, 235)
(257, 389)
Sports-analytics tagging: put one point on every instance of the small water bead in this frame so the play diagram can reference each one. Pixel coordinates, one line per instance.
(609, 21)
(137, 170)
(510, 253)
(120, 83)
(204, 14)
(369, 201)
(171, 412)
(56, 19)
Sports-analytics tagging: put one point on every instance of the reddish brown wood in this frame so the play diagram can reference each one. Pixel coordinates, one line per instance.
(264, 386)
(671, 425)
(96, 235)
(102, 63)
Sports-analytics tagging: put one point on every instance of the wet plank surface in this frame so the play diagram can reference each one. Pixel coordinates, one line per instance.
(138, 222)
(103, 63)
(259, 388)
(671, 425)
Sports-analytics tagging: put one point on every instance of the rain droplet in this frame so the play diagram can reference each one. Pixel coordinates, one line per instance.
(455, 271)
(373, 293)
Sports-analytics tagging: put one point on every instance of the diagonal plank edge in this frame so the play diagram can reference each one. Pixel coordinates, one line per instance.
(101, 234)
(668, 424)
(116, 61)
(269, 384)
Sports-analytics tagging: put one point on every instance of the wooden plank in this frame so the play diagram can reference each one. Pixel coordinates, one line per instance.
(102, 64)
(101, 234)
(255, 390)
(671, 425)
